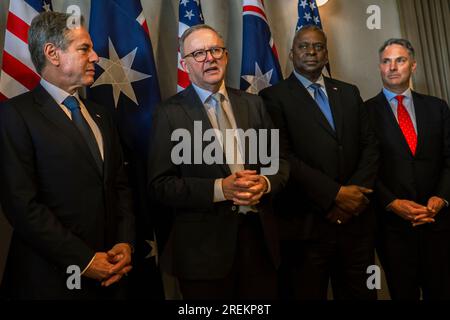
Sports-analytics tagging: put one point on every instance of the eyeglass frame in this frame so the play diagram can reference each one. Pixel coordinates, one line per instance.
(206, 53)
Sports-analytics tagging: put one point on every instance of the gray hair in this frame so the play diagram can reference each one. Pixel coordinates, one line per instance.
(48, 27)
(192, 30)
(311, 27)
(401, 42)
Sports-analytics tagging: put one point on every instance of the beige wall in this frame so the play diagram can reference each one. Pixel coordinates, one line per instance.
(353, 48)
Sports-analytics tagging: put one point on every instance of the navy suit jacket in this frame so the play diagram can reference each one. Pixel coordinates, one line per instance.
(203, 238)
(62, 207)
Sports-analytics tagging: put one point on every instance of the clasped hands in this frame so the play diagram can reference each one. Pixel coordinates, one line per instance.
(244, 188)
(416, 213)
(350, 201)
(109, 267)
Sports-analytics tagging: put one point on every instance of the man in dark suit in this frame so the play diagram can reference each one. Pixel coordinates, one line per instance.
(413, 186)
(63, 187)
(325, 225)
(223, 242)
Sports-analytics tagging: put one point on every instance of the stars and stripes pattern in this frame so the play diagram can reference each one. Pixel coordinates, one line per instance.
(308, 14)
(18, 74)
(260, 67)
(190, 14)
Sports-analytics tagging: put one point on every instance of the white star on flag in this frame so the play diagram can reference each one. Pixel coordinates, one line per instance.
(258, 81)
(307, 16)
(46, 6)
(312, 5)
(189, 14)
(316, 20)
(118, 73)
(184, 2)
(303, 4)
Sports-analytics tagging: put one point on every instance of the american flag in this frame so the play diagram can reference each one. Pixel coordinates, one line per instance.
(189, 14)
(308, 14)
(18, 74)
(260, 67)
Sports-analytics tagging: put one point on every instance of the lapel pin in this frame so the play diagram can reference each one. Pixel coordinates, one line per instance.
(334, 88)
(97, 115)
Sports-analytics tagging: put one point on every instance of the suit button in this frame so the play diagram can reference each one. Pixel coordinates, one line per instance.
(233, 208)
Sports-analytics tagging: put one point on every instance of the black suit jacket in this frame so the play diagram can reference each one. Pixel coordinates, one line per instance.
(202, 243)
(62, 208)
(321, 159)
(404, 176)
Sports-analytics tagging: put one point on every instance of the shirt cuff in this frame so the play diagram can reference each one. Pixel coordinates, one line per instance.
(269, 187)
(89, 264)
(218, 191)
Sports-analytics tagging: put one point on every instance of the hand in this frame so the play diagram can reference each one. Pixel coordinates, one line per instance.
(408, 210)
(120, 257)
(352, 198)
(434, 205)
(100, 267)
(244, 188)
(338, 216)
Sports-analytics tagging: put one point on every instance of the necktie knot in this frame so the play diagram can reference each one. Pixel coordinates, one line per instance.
(400, 99)
(315, 86)
(71, 103)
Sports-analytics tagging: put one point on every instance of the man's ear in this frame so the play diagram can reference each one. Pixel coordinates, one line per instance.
(51, 52)
(184, 65)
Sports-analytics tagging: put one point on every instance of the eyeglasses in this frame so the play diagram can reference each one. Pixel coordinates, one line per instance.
(318, 47)
(200, 55)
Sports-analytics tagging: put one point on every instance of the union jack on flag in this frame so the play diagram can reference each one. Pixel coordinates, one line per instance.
(189, 14)
(18, 74)
(260, 67)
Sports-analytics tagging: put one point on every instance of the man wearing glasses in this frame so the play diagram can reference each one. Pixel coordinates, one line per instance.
(223, 243)
(333, 157)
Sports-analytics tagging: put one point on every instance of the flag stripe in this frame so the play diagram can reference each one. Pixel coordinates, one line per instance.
(183, 78)
(23, 10)
(10, 87)
(16, 69)
(18, 49)
(18, 27)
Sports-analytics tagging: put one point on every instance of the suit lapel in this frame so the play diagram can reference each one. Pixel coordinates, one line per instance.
(98, 117)
(390, 120)
(195, 110)
(52, 111)
(301, 94)
(336, 106)
(420, 109)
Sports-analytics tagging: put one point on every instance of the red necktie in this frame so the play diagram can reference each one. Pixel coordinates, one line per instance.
(405, 123)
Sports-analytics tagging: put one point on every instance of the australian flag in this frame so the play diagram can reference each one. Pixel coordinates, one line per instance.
(308, 14)
(127, 83)
(260, 67)
(189, 14)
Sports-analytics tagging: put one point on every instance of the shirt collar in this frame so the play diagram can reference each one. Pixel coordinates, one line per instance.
(204, 94)
(391, 95)
(58, 94)
(306, 82)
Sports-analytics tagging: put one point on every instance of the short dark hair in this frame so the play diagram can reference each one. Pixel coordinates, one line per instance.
(48, 27)
(191, 30)
(311, 27)
(401, 42)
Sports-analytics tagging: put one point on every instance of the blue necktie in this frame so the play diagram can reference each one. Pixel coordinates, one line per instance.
(323, 104)
(80, 122)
